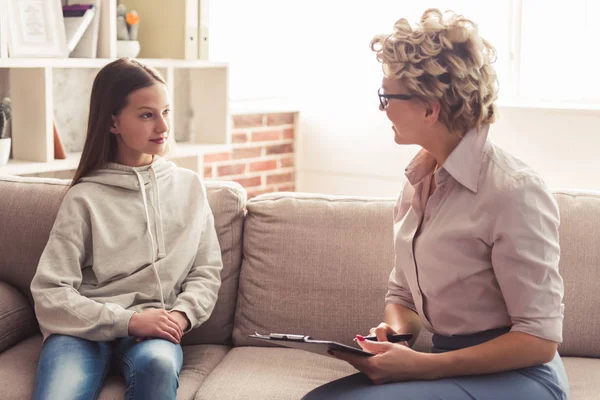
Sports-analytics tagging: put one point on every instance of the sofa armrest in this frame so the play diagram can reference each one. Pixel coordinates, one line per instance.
(17, 319)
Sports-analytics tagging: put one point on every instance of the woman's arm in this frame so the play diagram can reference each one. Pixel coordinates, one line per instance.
(402, 319)
(393, 362)
(525, 256)
(510, 351)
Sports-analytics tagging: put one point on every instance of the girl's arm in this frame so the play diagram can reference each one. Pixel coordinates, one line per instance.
(59, 307)
(201, 286)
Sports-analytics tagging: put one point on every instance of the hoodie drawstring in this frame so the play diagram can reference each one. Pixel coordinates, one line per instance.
(153, 248)
(158, 216)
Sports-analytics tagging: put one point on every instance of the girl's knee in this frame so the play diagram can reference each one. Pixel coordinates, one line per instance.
(160, 363)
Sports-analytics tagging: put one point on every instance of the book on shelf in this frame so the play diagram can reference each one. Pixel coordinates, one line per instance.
(87, 47)
(59, 149)
(77, 19)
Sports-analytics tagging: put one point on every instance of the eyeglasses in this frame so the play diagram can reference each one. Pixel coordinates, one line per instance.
(384, 98)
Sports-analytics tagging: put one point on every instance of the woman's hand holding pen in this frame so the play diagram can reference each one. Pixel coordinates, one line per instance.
(382, 331)
(155, 323)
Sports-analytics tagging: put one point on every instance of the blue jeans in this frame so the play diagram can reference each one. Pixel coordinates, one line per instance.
(75, 368)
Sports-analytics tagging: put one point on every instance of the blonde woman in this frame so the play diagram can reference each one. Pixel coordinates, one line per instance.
(476, 236)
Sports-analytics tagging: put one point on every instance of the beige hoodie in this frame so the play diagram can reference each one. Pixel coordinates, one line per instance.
(115, 249)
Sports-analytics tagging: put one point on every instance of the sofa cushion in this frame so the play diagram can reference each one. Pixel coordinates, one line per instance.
(584, 377)
(315, 265)
(19, 364)
(227, 201)
(17, 369)
(17, 320)
(270, 374)
(580, 269)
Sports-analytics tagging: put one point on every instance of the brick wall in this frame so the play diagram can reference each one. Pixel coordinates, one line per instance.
(261, 158)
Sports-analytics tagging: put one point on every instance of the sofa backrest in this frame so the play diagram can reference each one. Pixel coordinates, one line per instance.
(315, 265)
(580, 269)
(227, 201)
(319, 265)
(28, 208)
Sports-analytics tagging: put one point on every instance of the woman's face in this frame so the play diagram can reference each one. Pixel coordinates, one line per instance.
(142, 127)
(407, 116)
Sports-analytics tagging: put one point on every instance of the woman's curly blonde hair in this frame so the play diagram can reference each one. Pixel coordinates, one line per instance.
(443, 59)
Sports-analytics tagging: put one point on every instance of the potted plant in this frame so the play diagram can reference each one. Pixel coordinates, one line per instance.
(5, 141)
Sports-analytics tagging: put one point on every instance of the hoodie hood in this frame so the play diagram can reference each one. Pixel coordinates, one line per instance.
(123, 176)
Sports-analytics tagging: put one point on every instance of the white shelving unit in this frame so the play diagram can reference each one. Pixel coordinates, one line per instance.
(185, 154)
(198, 88)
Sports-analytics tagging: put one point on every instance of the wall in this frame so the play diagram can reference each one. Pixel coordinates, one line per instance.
(349, 150)
(262, 154)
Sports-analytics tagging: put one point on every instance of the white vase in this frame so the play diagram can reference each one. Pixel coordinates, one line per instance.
(4, 151)
(128, 48)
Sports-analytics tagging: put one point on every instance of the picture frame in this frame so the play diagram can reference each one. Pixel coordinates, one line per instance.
(36, 29)
(3, 28)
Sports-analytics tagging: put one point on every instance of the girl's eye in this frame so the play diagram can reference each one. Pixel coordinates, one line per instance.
(166, 112)
(147, 115)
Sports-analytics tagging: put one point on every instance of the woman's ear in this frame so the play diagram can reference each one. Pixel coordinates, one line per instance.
(432, 112)
(113, 127)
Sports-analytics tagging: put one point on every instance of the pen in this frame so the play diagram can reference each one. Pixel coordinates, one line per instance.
(391, 338)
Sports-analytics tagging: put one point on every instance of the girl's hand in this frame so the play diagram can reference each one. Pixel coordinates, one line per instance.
(155, 323)
(180, 318)
(392, 362)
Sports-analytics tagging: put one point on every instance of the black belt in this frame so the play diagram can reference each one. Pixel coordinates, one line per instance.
(448, 343)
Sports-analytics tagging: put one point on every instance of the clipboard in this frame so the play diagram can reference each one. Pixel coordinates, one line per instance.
(306, 343)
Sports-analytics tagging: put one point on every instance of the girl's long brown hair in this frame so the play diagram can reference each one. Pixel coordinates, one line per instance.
(112, 86)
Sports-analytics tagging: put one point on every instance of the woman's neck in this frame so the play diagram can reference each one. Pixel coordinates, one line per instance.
(440, 143)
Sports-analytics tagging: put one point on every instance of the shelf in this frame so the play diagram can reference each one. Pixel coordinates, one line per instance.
(16, 167)
(182, 150)
(101, 62)
(54, 92)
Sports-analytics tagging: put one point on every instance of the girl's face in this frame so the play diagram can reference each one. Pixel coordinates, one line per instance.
(142, 127)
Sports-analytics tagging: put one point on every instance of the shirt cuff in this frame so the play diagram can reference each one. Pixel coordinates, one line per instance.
(188, 314)
(391, 299)
(544, 328)
(122, 318)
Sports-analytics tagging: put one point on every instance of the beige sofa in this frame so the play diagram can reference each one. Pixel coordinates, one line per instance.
(293, 262)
